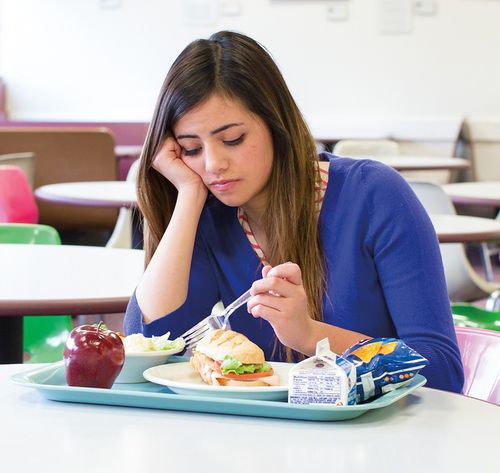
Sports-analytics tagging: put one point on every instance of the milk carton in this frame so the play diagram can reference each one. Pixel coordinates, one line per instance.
(325, 378)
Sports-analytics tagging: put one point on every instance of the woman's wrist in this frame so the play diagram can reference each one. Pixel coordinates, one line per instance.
(309, 338)
(340, 339)
(195, 192)
(171, 261)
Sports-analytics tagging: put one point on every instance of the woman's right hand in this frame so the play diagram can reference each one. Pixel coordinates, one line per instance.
(169, 164)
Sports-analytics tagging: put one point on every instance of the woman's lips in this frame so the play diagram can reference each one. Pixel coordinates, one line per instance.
(223, 185)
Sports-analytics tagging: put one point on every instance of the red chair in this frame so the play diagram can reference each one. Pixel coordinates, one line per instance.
(17, 203)
(480, 350)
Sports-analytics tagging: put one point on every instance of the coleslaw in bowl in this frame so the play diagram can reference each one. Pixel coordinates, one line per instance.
(143, 352)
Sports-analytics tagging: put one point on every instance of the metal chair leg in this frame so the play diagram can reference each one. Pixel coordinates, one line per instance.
(493, 302)
(485, 256)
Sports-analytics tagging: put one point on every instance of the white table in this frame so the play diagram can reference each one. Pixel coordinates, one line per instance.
(428, 431)
(45, 279)
(128, 150)
(52, 279)
(465, 229)
(423, 163)
(90, 193)
(123, 194)
(115, 194)
(477, 193)
(461, 228)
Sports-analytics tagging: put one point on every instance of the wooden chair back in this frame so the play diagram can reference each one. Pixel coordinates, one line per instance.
(67, 155)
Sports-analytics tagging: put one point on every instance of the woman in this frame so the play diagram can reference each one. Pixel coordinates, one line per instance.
(233, 195)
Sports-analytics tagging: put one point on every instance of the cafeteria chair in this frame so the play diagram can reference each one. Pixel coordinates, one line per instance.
(468, 315)
(67, 154)
(372, 149)
(480, 140)
(480, 352)
(26, 161)
(122, 232)
(43, 336)
(366, 148)
(463, 282)
(17, 203)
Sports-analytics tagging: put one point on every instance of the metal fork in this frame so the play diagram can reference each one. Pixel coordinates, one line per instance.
(213, 321)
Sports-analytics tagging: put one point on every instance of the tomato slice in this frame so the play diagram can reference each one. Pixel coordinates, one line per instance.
(248, 376)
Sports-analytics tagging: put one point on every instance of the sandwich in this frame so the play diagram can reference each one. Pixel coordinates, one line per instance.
(228, 358)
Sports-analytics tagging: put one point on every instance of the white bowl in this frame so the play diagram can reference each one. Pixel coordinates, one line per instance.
(136, 363)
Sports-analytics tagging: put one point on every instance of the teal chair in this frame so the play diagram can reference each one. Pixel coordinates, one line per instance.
(43, 336)
(467, 315)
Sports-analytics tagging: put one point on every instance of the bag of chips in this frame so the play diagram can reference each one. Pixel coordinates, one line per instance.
(382, 365)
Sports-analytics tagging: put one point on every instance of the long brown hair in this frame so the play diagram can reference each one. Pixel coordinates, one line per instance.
(236, 66)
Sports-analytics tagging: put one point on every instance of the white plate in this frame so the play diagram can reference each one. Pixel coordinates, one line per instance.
(182, 379)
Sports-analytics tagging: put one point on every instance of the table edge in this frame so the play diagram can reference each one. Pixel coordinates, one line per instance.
(81, 201)
(57, 307)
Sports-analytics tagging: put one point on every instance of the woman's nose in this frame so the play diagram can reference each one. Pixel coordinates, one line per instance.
(215, 161)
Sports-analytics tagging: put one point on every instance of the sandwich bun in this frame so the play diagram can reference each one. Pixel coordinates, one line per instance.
(211, 350)
(219, 343)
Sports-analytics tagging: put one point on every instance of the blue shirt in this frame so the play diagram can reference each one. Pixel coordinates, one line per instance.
(384, 275)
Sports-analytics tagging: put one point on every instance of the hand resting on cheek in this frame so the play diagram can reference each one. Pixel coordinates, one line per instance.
(168, 162)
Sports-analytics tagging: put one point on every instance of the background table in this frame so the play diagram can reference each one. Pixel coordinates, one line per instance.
(52, 279)
(92, 193)
(128, 150)
(461, 228)
(423, 163)
(478, 193)
(428, 431)
(125, 156)
(114, 194)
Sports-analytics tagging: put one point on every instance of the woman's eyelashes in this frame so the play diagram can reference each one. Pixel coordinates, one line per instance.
(196, 150)
(190, 152)
(235, 142)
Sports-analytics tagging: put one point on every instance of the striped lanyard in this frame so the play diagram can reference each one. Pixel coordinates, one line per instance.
(320, 189)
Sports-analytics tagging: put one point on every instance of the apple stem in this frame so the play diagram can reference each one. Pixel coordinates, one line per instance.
(99, 326)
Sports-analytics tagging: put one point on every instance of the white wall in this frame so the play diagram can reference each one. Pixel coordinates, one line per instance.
(71, 59)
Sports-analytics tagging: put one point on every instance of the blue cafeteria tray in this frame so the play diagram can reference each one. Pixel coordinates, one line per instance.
(50, 382)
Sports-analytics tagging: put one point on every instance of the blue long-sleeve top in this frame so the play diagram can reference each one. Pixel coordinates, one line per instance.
(384, 275)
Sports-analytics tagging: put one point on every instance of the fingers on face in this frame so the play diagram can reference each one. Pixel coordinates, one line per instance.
(169, 150)
(171, 145)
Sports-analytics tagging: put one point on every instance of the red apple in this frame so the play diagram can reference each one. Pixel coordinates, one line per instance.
(93, 356)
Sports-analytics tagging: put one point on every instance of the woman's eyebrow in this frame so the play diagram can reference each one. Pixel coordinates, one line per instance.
(213, 132)
(224, 127)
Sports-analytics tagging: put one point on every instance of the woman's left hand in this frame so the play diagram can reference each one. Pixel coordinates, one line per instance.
(280, 298)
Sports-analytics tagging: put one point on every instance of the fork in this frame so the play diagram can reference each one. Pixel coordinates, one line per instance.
(213, 321)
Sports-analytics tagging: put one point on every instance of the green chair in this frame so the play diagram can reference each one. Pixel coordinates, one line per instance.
(43, 336)
(467, 315)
